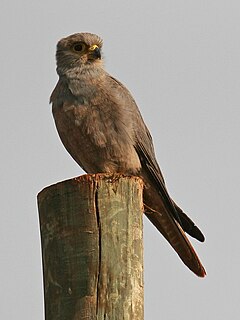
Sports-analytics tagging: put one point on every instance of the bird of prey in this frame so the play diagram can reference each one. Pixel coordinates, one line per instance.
(101, 127)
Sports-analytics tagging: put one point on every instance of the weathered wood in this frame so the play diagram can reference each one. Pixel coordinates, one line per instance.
(91, 231)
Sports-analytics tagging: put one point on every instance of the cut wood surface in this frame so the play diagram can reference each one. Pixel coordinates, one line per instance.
(92, 248)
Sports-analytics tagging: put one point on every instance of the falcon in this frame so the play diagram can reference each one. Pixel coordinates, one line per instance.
(101, 127)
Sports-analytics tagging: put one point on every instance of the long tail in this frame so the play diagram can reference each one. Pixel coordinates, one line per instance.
(175, 235)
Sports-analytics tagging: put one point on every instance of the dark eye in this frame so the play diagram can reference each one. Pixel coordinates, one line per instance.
(79, 47)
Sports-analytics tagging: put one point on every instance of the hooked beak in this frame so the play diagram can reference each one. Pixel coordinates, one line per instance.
(94, 52)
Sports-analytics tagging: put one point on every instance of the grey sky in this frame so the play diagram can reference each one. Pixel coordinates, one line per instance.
(181, 61)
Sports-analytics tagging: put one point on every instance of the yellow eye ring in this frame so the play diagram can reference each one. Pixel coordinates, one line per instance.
(79, 47)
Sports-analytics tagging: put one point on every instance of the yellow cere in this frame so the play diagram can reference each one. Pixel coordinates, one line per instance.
(93, 47)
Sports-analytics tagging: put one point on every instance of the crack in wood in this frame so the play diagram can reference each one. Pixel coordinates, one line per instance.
(99, 244)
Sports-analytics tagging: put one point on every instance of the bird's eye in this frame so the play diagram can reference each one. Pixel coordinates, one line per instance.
(79, 47)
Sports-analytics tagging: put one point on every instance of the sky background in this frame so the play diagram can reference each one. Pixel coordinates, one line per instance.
(181, 61)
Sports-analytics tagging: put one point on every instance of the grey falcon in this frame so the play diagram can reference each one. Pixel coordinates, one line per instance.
(101, 127)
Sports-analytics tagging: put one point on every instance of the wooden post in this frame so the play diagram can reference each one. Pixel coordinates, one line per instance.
(92, 249)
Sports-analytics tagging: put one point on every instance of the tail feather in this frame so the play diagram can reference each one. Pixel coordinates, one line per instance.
(175, 235)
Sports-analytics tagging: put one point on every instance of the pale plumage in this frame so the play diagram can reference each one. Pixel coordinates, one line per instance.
(101, 127)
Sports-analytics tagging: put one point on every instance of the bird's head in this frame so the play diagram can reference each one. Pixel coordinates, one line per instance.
(78, 53)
